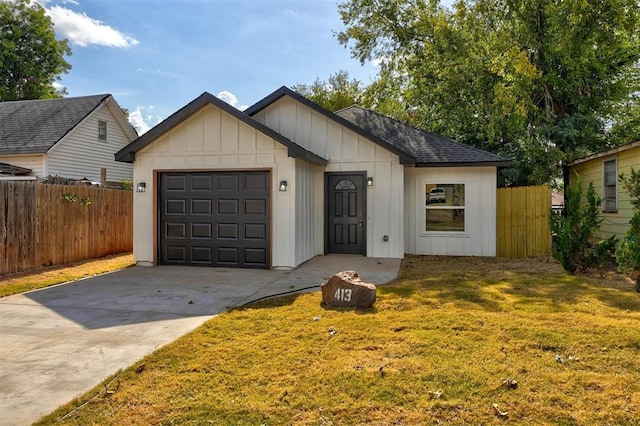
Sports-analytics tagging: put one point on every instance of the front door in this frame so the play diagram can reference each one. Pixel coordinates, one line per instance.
(346, 213)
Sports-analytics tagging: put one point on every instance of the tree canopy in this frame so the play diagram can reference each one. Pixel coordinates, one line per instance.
(31, 58)
(539, 81)
(336, 93)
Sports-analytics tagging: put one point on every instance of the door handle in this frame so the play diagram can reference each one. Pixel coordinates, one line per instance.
(361, 224)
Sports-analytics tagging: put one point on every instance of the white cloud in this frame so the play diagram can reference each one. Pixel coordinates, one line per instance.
(141, 122)
(82, 30)
(228, 97)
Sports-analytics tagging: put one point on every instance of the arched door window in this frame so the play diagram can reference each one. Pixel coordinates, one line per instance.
(345, 185)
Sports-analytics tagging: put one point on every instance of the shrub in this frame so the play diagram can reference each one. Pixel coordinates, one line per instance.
(573, 233)
(628, 252)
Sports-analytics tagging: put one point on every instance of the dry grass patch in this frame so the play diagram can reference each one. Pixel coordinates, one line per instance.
(453, 341)
(45, 277)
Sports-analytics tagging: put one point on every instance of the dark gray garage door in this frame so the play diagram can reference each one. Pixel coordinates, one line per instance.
(214, 219)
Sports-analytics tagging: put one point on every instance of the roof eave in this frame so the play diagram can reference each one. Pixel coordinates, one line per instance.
(498, 163)
(616, 150)
(128, 153)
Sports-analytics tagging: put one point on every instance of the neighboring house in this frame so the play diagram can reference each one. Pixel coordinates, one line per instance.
(287, 180)
(72, 138)
(602, 170)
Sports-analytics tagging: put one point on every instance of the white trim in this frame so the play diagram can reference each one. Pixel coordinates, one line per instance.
(422, 200)
(18, 178)
(616, 150)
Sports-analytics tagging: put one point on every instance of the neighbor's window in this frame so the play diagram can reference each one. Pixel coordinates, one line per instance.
(102, 130)
(445, 207)
(610, 192)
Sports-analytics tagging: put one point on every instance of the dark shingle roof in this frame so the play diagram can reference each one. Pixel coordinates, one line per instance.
(427, 148)
(10, 169)
(33, 127)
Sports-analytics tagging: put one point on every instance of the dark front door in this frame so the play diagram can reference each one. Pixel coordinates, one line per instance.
(214, 218)
(346, 215)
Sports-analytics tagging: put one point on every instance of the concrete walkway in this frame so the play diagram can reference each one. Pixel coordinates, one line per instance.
(59, 342)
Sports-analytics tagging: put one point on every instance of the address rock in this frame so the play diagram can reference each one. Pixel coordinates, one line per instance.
(346, 289)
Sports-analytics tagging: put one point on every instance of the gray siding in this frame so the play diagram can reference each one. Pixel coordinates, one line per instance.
(80, 154)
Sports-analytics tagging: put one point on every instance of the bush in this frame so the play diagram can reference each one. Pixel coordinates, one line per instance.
(573, 233)
(628, 252)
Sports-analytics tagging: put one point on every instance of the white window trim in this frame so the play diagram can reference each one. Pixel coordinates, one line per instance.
(423, 202)
(106, 131)
(613, 160)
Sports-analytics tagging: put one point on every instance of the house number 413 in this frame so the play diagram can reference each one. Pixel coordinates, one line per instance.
(343, 294)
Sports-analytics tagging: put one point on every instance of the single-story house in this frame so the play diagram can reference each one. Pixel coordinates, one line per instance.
(73, 138)
(286, 180)
(602, 169)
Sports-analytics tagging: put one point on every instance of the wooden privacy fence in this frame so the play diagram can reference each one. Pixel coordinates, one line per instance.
(523, 221)
(53, 225)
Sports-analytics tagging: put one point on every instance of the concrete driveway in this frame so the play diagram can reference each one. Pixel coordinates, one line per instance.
(59, 342)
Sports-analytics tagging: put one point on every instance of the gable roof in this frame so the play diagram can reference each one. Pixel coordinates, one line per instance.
(34, 127)
(429, 149)
(413, 146)
(127, 154)
(606, 153)
(405, 157)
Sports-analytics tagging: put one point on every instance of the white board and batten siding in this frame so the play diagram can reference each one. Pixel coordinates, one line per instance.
(346, 151)
(80, 154)
(479, 236)
(213, 140)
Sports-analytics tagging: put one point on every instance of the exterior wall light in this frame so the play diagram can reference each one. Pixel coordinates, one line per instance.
(141, 187)
(369, 181)
(283, 185)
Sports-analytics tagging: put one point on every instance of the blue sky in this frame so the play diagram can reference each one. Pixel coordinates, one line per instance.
(156, 56)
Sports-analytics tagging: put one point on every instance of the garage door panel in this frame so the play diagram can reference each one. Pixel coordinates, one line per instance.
(255, 207)
(201, 207)
(228, 231)
(255, 183)
(202, 183)
(255, 231)
(201, 230)
(175, 183)
(176, 254)
(201, 255)
(176, 207)
(215, 218)
(228, 183)
(255, 257)
(228, 207)
(176, 230)
(228, 255)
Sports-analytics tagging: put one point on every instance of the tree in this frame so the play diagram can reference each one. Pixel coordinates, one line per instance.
(628, 251)
(31, 59)
(536, 80)
(337, 93)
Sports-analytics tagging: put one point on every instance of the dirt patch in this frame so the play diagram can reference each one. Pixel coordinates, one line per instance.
(499, 267)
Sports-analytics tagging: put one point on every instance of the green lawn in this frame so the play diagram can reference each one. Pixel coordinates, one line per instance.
(451, 341)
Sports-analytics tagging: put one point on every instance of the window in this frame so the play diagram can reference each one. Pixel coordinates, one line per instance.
(609, 187)
(102, 130)
(445, 207)
(345, 185)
